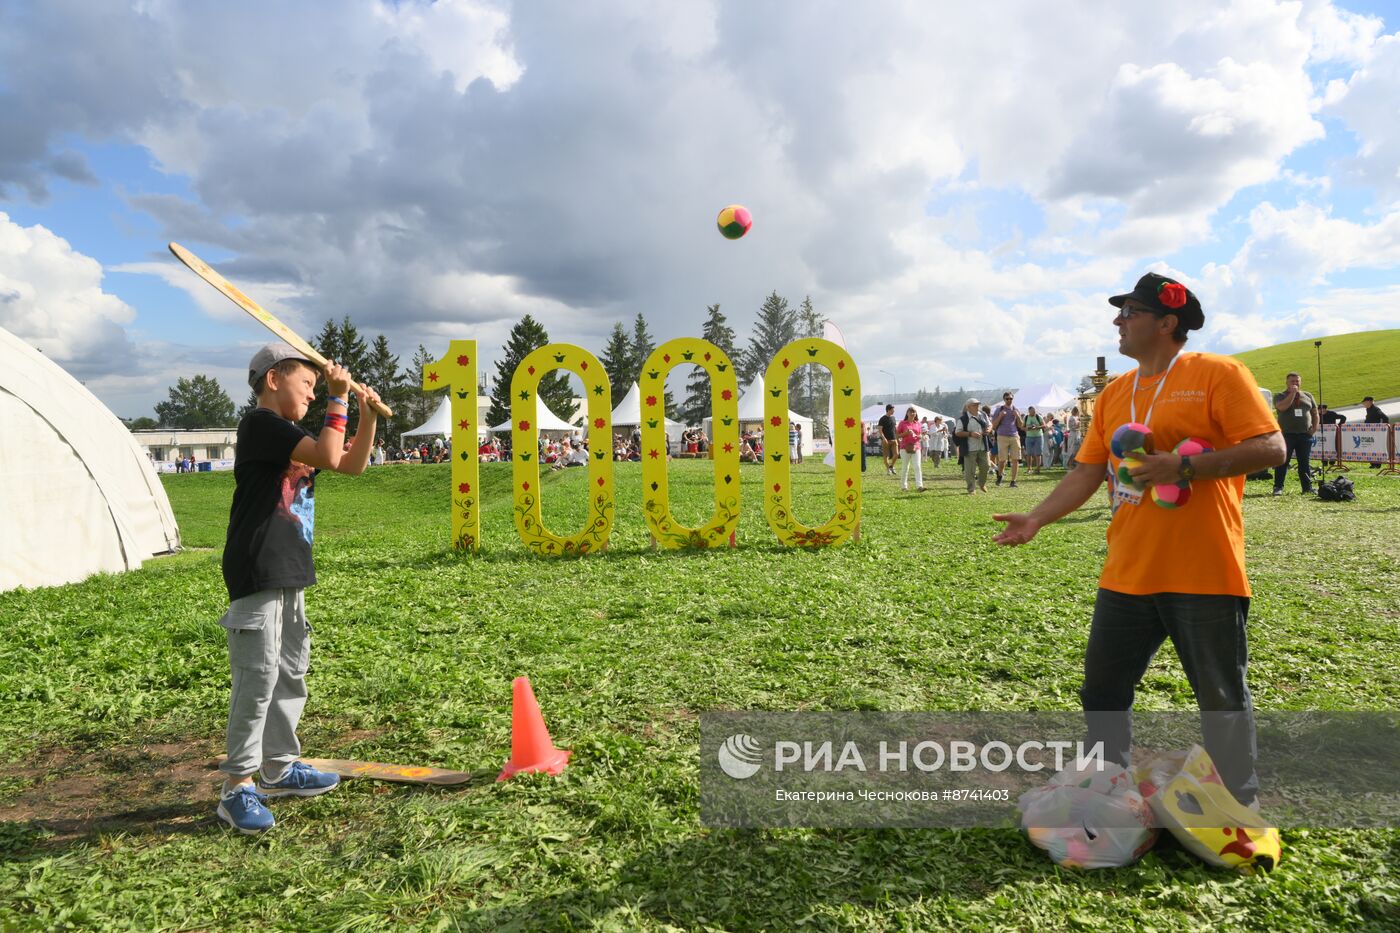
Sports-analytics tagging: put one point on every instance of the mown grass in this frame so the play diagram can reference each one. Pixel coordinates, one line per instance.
(1353, 366)
(415, 648)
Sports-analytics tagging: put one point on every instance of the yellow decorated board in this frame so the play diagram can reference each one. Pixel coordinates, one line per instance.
(456, 372)
(724, 445)
(525, 471)
(777, 468)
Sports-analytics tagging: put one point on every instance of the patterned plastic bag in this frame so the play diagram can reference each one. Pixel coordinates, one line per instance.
(1189, 799)
(1089, 818)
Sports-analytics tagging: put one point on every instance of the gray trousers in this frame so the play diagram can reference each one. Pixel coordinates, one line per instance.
(975, 468)
(269, 651)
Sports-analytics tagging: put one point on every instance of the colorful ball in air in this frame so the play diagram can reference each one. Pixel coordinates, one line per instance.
(1192, 447)
(1173, 495)
(1125, 476)
(735, 221)
(1131, 437)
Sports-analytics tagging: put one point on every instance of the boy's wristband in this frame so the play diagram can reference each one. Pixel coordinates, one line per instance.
(337, 398)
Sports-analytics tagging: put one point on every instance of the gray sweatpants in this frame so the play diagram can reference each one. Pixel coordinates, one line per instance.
(269, 651)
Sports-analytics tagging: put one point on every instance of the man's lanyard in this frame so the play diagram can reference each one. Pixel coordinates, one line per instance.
(1132, 402)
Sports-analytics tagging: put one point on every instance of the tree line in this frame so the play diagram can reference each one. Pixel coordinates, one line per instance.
(199, 402)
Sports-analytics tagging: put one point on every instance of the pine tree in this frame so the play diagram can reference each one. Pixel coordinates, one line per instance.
(381, 371)
(775, 328)
(342, 344)
(811, 392)
(641, 347)
(527, 335)
(417, 404)
(697, 400)
(617, 361)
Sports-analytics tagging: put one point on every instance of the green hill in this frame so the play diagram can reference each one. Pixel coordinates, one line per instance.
(1353, 366)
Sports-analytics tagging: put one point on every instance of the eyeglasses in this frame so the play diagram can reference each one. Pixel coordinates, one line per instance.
(1127, 314)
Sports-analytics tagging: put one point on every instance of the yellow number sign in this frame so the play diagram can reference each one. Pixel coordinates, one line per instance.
(724, 446)
(525, 407)
(777, 469)
(457, 373)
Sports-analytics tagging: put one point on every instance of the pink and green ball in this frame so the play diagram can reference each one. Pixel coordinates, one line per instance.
(734, 221)
(1172, 496)
(1131, 438)
(1192, 447)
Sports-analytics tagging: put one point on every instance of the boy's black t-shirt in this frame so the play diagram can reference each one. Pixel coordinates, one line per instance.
(274, 509)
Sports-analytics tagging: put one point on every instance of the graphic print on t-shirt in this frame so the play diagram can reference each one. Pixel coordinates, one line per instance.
(299, 497)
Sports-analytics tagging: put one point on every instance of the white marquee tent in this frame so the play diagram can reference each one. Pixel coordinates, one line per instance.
(78, 495)
(440, 421)
(628, 414)
(1045, 397)
(751, 413)
(546, 421)
(872, 413)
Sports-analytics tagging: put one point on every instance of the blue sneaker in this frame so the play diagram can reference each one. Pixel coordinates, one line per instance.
(244, 811)
(299, 780)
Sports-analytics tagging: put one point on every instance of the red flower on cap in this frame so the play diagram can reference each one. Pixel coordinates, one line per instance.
(1172, 294)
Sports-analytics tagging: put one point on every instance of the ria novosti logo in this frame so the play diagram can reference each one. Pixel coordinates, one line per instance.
(740, 756)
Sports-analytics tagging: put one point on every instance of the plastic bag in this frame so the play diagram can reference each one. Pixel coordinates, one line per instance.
(1089, 818)
(1189, 799)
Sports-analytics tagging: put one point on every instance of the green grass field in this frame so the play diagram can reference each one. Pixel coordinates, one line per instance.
(1353, 366)
(115, 690)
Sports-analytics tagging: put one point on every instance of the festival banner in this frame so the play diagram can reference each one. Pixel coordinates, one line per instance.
(1364, 443)
(1324, 443)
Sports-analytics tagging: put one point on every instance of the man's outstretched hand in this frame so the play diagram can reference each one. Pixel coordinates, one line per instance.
(1020, 528)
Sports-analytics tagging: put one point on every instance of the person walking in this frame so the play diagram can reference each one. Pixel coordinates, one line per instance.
(910, 433)
(889, 446)
(973, 429)
(1007, 425)
(1174, 574)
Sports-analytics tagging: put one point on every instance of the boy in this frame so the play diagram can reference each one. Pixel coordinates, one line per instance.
(267, 566)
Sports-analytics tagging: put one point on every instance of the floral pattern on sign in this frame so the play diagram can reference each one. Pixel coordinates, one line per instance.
(719, 529)
(460, 371)
(525, 471)
(777, 470)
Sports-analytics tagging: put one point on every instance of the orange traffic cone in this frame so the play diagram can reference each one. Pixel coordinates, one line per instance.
(531, 748)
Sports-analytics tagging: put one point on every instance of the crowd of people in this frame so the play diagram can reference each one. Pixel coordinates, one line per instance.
(985, 441)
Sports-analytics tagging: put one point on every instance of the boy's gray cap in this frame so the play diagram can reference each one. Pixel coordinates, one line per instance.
(269, 356)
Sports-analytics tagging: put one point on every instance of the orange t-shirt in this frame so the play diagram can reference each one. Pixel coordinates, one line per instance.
(1198, 548)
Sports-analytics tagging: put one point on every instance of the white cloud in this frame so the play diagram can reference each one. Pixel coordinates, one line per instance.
(1369, 110)
(437, 169)
(51, 297)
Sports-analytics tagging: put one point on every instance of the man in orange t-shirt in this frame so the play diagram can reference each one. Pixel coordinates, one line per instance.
(1170, 573)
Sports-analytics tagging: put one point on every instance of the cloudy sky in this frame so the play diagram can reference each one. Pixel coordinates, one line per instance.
(959, 187)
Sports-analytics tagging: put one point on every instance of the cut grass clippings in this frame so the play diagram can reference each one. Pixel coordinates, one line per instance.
(115, 692)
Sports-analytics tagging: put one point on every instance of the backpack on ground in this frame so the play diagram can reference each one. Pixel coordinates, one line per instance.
(1336, 490)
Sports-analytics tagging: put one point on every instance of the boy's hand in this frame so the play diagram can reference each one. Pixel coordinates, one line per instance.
(337, 379)
(368, 397)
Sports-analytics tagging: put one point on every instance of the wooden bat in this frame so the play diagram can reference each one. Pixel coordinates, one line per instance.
(200, 268)
(379, 771)
(403, 774)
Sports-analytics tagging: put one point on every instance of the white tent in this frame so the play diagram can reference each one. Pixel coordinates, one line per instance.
(873, 413)
(751, 413)
(1045, 397)
(79, 495)
(628, 414)
(546, 421)
(440, 421)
